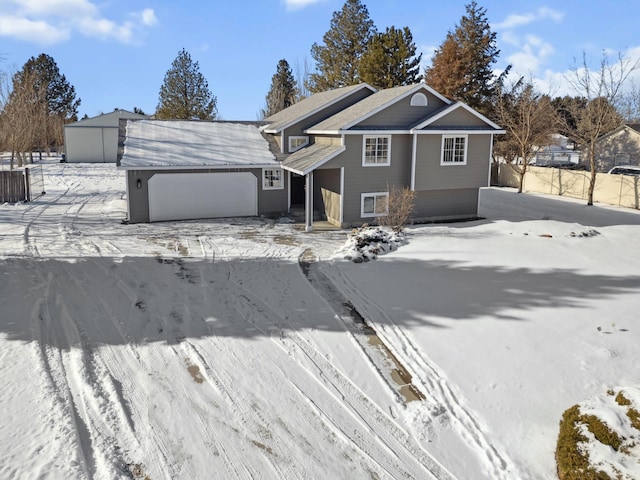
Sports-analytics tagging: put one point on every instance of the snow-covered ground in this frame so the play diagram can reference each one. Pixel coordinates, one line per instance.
(208, 349)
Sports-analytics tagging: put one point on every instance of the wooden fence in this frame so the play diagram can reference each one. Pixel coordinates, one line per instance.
(622, 190)
(13, 186)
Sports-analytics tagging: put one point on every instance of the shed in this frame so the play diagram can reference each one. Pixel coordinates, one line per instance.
(95, 140)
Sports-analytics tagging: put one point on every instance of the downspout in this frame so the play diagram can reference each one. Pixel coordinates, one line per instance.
(341, 197)
(490, 161)
(288, 191)
(413, 162)
(308, 214)
(282, 149)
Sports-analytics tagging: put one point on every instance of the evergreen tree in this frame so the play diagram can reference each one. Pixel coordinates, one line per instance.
(337, 61)
(52, 99)
(390, 59)
(461, 68)
(283, 92)
(185, 94)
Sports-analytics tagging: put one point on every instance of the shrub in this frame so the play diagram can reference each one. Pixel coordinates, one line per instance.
(399, 207)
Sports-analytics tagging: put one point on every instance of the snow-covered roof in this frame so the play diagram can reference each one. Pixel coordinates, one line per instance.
(191, 143)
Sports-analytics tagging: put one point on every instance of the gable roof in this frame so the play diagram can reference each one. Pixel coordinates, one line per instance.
(449, 109)
(309, 106)
(368, 107)
(309, 158)
(106, 119)
(191, 143)
(632, 127)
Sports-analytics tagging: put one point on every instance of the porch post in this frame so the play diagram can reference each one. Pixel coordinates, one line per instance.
(308, 203)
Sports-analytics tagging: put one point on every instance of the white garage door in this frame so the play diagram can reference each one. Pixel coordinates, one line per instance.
(184, 196)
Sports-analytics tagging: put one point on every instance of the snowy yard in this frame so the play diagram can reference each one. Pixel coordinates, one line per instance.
(228, 348)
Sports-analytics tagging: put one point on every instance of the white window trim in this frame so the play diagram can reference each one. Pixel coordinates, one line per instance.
(364, 151)
(372, 194)
(298, 137)
(466, 149)
(268, 187)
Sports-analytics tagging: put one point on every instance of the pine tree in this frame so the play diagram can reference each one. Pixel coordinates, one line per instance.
(390, 59)
(337, 61)
(283, 92)
(461, 68)
(52, 101)
(185, 94)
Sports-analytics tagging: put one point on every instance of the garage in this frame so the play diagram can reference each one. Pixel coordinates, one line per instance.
(183, 196)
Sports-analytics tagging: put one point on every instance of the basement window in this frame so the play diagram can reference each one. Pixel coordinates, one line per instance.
(373, 204)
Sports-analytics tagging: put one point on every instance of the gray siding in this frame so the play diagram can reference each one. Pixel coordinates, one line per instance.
(446, 204)
(401, 114)
(270, 202)
(430, 175)
(459, 118)
(300, 127)
(359, 179)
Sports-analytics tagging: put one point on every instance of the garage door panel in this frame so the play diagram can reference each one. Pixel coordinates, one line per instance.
(184, 196)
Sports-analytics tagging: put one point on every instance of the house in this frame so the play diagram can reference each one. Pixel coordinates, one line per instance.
(621, 146)
(405, 136)
(94, 140)
(336, 154)
(183, 169)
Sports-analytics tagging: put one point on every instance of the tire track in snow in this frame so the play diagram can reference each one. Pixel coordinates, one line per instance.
(435, 382)
(397, 453)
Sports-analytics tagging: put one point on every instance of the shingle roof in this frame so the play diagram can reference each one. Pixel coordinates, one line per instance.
(309, 158)
(308, 106)
(184, 143)
(361, 109)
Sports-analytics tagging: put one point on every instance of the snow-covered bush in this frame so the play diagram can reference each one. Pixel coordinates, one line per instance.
(367, 242)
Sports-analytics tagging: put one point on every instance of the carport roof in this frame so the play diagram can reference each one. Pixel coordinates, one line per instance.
(309, 158)
(186, 143)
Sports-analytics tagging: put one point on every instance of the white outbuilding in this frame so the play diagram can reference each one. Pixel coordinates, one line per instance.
(95, 140)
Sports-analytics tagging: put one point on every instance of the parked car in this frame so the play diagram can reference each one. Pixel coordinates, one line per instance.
(625, 170)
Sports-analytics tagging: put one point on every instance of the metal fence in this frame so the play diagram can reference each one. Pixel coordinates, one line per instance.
(34, 179)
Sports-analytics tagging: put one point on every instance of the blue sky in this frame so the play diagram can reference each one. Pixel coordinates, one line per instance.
(116, 52)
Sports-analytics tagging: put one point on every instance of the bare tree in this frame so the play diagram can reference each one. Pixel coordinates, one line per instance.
(529, 120)
(602, 89)
(399, 207)
(629, 104)
(23, 115)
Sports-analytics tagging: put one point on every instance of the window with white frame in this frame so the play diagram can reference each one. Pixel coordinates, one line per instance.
(374, 204)
(297, 142)
(376, 150)
(454, 150)
(272, 179)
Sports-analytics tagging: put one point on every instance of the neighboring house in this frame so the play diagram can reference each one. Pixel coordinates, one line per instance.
(559, 152)
(182, 169)
(336, 153)
(620, 146)
(94, 140)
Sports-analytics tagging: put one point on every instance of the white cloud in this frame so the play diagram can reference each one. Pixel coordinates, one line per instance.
(54, 21)
(518, 20)
(25, 29)
(298, 4)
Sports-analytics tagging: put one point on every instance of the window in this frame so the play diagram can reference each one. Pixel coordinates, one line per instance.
(454, 150)
(272, 179)
(419, 100)
(373, 204)
(296, 143)
(376, 151)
